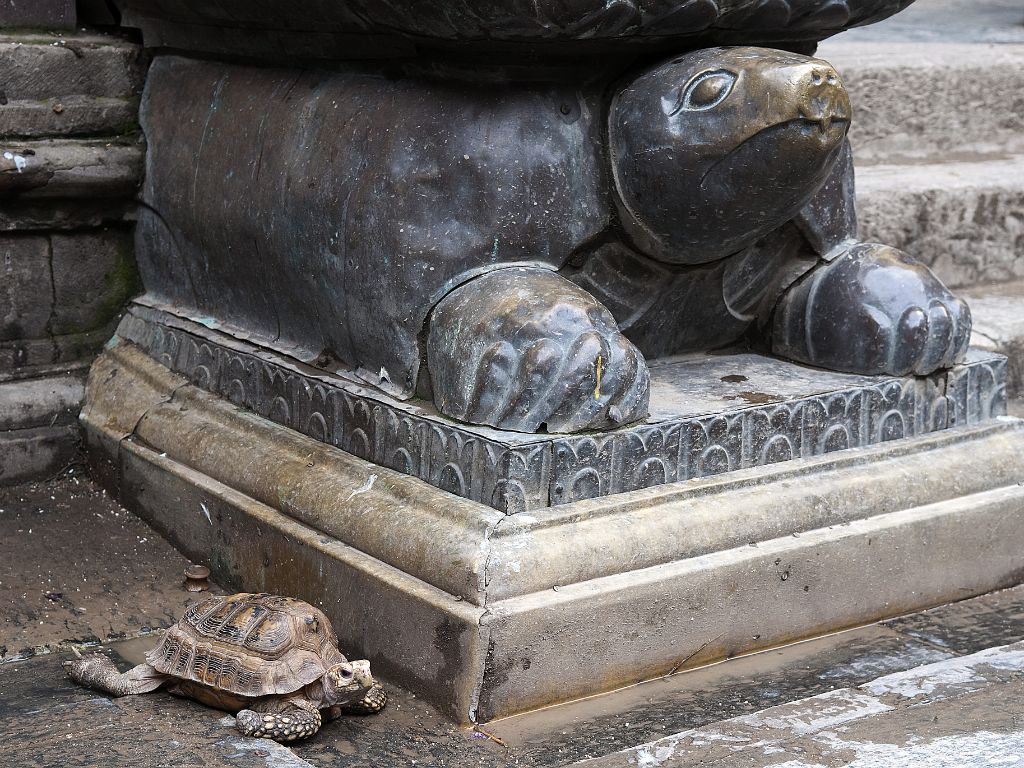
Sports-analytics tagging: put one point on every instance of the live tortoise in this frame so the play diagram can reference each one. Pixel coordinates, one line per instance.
(273, 660)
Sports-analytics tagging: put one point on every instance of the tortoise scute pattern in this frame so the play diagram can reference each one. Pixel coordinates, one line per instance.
(274, 661)
(250, 645)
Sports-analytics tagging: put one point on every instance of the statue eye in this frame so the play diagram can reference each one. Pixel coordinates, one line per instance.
(706, 90)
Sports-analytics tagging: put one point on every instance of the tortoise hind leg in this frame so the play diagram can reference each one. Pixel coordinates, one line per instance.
(98, 672)
(290, 723)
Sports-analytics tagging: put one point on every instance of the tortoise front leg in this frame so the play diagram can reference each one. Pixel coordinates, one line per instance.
(373, 702)
(98, 672)
(290, 723)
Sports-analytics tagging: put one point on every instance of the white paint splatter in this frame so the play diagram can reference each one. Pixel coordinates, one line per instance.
(653, 756)
(959, 672)
(206, 512)
(979, 748)
(363, 488)
(872, 665)
(810, 715)
(19, 161)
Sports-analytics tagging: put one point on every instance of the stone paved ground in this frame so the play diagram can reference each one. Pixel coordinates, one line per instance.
(966, 711)
(69, 537)
(77, 567)
(970, 21)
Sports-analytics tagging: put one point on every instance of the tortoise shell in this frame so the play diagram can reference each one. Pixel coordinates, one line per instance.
(699, 23)
(249, 644)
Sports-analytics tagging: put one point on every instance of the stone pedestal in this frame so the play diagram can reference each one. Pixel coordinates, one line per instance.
(392, 255)
(487, 614)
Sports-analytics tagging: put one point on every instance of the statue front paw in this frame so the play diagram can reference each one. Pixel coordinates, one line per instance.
(873, 310)
(524, 349)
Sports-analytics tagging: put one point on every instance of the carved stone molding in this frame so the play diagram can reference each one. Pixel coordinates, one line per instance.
(779, 411)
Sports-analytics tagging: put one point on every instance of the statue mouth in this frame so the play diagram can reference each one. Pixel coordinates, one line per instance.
(825, 124)
(827, 131)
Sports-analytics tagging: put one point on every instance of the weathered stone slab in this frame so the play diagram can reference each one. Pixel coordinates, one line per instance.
(963, 219)
(729, 602)
(709, 414)
(68, 116)
(93, 276)
(61, 285)
(39, 66)
(26, 287)
(61, 169)
(20, 356)
(54, 14)
(68, 85)
(919, 102)
(41, 402)
(39, 452)
(18, 215)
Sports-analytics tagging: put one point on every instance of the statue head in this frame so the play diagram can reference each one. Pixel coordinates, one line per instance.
(714, 149)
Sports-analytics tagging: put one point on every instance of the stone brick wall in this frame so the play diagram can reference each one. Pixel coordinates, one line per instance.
(71, 158)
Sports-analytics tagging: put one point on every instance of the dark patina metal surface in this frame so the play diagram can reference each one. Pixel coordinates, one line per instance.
(411, 221)
(369, 28)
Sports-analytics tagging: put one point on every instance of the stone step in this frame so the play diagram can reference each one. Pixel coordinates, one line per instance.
(59, 289)
(68, 85)
(930, 101)
(39, 432)
(72, 115)
(954, 712)
(39, 65)
(998, 312)
(64, 168)
(964, 219)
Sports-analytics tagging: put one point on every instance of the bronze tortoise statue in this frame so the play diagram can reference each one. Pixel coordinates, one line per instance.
(514, 238)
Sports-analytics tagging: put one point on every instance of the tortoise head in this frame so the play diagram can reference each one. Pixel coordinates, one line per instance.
(347, 681)
(714, 149)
